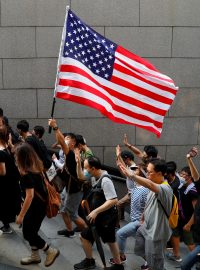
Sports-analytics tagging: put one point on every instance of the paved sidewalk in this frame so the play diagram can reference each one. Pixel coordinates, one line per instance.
(13, 247)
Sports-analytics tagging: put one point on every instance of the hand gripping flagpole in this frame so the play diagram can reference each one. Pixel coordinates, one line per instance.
(58, 64)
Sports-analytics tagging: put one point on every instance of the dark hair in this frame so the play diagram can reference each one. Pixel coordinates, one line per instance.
(127, 154)
(39, 131)
(159, 165)
(80, 140)
(23, 125)
(26, 158)
(187, 170)
(71, 135)
(1, 112)
(171, 167)
(94, 162)
(4, 134)
(151, 151)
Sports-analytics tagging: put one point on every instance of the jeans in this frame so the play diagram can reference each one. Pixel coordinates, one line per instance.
(125, 232)
(190, 259)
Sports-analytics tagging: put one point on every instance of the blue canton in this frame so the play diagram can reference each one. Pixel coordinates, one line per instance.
(90, 48)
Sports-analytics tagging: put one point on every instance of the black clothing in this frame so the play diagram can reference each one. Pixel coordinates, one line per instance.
(174, 185)
(185, 204)
(75, 184)
(40, 149)
(37, 210)
(10, 193)
(196, 226)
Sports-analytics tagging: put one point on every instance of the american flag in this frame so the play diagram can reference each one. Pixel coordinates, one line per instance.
(96, 72)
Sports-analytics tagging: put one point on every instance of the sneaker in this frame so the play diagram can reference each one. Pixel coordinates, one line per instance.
(144, 267)
(66, 233)
(172, 257)
(85, 264)
(115, 267)
(123, 260)
(34, 258)
(52, 254)
(6, 230)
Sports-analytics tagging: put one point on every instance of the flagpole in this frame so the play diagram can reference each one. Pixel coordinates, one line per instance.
(58, 64)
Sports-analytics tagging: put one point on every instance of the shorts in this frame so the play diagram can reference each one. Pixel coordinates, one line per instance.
(107, 234)
(186, 237)
(70, 203)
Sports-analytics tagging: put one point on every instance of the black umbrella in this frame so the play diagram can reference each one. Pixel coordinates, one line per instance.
(96, 237)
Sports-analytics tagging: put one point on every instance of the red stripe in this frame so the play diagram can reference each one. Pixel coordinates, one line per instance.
(121, 96)
(102, 109)
(141, 61)
(84, 87)
(133, 74)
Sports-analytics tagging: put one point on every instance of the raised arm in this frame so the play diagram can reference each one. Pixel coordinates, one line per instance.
(193, 169)
(134, 149)
(59, 136)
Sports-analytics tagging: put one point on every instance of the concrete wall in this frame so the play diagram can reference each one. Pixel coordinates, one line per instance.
(166, 32)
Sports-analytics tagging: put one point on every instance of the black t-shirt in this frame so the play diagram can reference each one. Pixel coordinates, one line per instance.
(39, 149)
(185, 205)
(70, 162)
(174, 185)
(35, 181)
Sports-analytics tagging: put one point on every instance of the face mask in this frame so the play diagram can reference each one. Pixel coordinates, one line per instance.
(87, 175)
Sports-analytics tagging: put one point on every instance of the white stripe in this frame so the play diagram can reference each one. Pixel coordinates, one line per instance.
(123, 104)
(150, 79)
(142, 67)
(121, 89)
(80, 93)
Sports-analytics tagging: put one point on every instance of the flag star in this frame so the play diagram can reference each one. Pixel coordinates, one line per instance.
(89, 66)
(88, 50)
(80, 45)
(110, 57)
(106, 48)
(106, 75)
(83, 53)
(100, 62)
(94, 39)
(79, 54)
(109, 66)
(103, 41)
(90, 41)
(75, 32)
(71, 15)
(87, 29)
(79, 22)
(75, 56)
(102, 53)
(103, 68)
(112, 46)
(85, 43)
(91, 57)
(97, 71)
(83, 61)
(86, 35)
(94, 64)
(97, 55)
(95, 34)
(75, 23)
(83, 28)
(79, 30)
(98, 46)
(82, 37)
(72, 41)
(75, 48)
(69, 34)
(67, 44)
(106, 59)
(86, 60)
(71, 51)
(93, 48)
(71, 24)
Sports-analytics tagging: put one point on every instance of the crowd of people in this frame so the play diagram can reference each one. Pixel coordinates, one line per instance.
(151, 186)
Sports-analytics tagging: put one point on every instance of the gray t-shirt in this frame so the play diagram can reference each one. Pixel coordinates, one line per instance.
(107, 186)
(156, 224)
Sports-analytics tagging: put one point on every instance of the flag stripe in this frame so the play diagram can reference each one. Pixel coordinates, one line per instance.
(140, 101)
(123, 119)
(86, 88)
